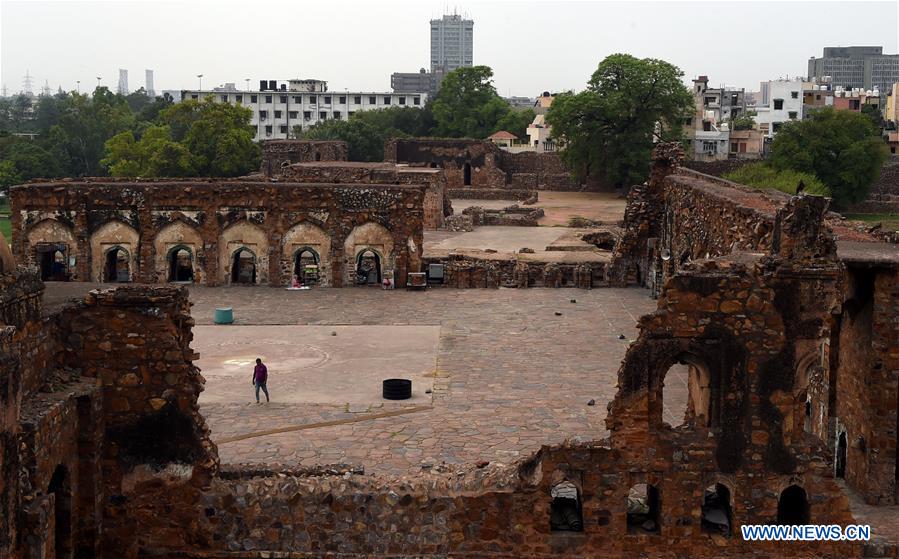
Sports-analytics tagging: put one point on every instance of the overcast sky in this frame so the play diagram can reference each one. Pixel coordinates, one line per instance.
(531, 46)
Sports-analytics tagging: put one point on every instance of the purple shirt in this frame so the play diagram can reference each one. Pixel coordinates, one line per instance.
(260, 374)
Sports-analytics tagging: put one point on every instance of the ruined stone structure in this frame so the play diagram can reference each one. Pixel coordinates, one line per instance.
(784, 319)
(216, 232)
(436, 203)
(481, 165)
(277, 154)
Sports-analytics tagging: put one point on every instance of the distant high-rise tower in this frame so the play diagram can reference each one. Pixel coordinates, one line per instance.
(28, 83)
(451, 43)
(149, 84)
(45, 90)
(123, 82)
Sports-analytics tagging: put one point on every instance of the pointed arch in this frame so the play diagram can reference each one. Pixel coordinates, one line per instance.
(372, 237)
(299, 241)
(243, 235)
(183, 235)
(50, 245)
(112, 237)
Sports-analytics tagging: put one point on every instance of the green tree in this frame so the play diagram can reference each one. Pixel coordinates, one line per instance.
(842, 148)
(217, 135)
(516, 122)
(467, 105)
(608, 129)
(743, 122)
(154, 155)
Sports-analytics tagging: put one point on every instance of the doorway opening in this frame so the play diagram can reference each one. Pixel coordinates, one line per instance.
(717, 514)
(842, 448)
(53, 264)
(306, 266)
(60, 488)
(368, 268)
(466, 174)
(243, 267)
(118, 268)
(181, 264)
(792, 507)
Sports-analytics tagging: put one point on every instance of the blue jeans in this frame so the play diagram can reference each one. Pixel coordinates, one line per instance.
(264, 389)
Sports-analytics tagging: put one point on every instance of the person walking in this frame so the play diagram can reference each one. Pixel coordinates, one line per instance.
(260, 378)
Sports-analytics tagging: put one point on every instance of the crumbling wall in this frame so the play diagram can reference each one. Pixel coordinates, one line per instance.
(481, 164)
(212, 220)
(277, 154)
(436, 203)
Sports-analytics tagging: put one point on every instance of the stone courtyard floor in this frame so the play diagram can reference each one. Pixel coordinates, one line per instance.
(506, 374)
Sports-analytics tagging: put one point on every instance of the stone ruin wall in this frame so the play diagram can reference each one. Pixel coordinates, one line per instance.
(213, 220)
(437, 204)
(79, 388)
(490, 166)
(853, 386)
(471, 272)
(277, 154)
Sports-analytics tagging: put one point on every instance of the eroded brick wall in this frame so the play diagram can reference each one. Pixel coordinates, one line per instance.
(277, 154)
(212, 221)
(436, 203)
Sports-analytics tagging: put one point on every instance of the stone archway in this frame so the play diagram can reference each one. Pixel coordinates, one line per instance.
(178, 234)
(368, 236)
(119, 236)
(301, 240)
(247, 236)
(51, 246)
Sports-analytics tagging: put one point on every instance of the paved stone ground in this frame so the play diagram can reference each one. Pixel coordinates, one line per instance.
(559, 207)
(511, 375)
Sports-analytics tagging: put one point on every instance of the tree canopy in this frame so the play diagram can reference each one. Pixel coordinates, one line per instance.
(468, 106)
(609, 128)
(842, 148)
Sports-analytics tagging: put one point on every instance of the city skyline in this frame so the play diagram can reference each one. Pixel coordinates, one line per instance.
(361, 52)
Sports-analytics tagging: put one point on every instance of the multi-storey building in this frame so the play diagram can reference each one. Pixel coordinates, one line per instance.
(451, 43)
(856, 68)
(279, 107)
(707, 132)
(782, 101)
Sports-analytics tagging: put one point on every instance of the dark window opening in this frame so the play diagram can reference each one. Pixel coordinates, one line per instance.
(778, 104)
(117, 266)
(357, 100)
(312, 99)
(283, 98)
(166, 436)
(263, 115)
(254, 98)
(842, 448)
(268, 98)
(243, 266)
(336, 115)
(368, 268)
(387, 100)
(342, 100)
(322, 115)
(372, 101)
(792, 507)
(402, 100)
(305, 266)
(277, 114)
(268, 130)
(318, 156)
(565, 509)
(292, 114)
(466, 174)
(327, 99)
(793, 115)
(416, 100)
(706, 126)
(181, 264)
(717, 514)
(297, 99)
(284, 129)
(60, 488)
(794, 94)
(643, 508)
(307, 115)
(238, 98)
(224, 98)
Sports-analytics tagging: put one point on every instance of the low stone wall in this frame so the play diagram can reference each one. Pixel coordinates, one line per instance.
(512, 215)
(493, 194)
(471, 272)
(717, 168)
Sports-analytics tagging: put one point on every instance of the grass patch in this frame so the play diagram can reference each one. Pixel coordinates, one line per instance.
(6, 228)
(889, 221)
(761, 175)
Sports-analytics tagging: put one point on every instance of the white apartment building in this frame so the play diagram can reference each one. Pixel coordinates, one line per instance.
(278, 107)
(781, 102)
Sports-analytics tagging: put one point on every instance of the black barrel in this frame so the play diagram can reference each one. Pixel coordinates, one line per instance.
(397, 389)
